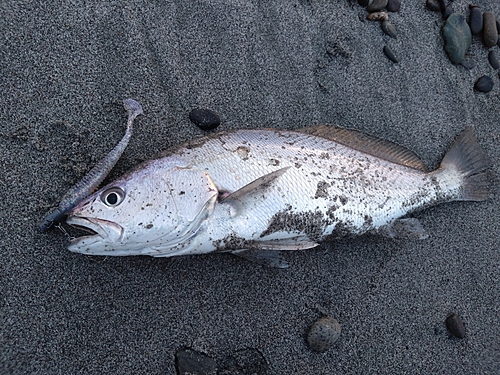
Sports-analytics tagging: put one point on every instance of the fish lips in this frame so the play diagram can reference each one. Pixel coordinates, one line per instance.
(106, 232)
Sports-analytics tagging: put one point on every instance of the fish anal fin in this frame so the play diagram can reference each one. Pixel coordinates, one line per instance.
(259, 184)
(410, 228)
(369, 144)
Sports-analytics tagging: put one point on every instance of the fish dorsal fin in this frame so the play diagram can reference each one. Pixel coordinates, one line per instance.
(369, 144)
(258, 184)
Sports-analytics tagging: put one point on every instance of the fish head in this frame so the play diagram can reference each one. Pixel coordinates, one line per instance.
(148, 211)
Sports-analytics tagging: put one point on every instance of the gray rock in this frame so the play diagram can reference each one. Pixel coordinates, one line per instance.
(393, 5)
(493, 59)
(484, 84)
(490, 32)
(457, 37)
(376, 5)
(363, 3)
(191, 362)
(475, 19)
(468, 63)
(323, 334)
(390, 54)
(389, 29)
(432, 5)
(455, 326)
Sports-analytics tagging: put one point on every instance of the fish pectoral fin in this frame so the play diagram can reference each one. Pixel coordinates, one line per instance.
(410, 228)
(267, 258)
(255, 186)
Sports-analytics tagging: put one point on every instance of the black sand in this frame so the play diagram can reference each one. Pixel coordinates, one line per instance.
(65, 69)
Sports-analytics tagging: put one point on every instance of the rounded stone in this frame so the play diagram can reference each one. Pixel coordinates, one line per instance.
(493, 59)
(484, 84)
(376, 5)
(457, 37)
(389, 29)
(393, 5)
(432, 5)
(490, 32)
(455, 326)
(377, 16)
(390, 54)
(475, 19)
(323, 334)
(468, 63)
(448, 10)
(363, 3)
(205, 119)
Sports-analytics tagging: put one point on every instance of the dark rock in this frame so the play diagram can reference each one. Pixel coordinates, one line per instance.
(433, 5)
(457, 37)
(484, 84)
(323, 334)
(468, 63)
(191, 362)
(363, 3)
(376, 5)
(393, 5)
(442, 5)
(455, 326)
(498, 29)
(475, 19)
(390, 54)
(493, 59)
(448, 10)
(389, 29)
(490, 32)
(205, 119)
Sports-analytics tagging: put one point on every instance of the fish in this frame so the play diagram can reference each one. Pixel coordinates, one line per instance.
(256, 192)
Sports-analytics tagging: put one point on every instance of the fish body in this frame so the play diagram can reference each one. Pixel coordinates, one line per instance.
(247, 191)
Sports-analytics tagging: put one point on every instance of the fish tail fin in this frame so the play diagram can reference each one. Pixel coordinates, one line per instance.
(472, 164)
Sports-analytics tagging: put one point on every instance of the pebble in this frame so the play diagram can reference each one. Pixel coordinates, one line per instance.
(493, 59)
(205, 119)
(455, 326)
(390, 54)
(191, 362)
(457, 37)
(377, 16)
(468, 63)
(490, 32)
(448, 10)
(323, 334)
(376, 5)
(484, 84)
(363, 3)
(393, 5)
(389, 29)
(432, 5)
(475, 19)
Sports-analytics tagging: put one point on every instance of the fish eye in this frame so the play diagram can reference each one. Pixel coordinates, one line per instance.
(113, 197)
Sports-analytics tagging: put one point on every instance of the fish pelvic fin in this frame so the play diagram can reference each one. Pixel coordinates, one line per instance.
(467, 157)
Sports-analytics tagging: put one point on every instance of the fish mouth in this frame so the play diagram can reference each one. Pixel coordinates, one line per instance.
(104, 233)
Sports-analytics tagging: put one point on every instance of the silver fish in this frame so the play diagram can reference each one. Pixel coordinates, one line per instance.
(251, 192)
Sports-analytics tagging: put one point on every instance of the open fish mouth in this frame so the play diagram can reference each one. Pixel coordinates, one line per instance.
(102, 233)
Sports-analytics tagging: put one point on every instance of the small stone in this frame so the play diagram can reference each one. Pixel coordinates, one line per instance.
(205, 119)
(433, 5)
(493, 59)
(363, 3)
(457, 37)
(455, 326)
(468, 63)
(475, 19)
(376, 5)
(484, 84)
(393, 5)
(490, 32)
(390, 54)
(191, 362)
(323, 334)
(377, 16)
(389, 29)
(448, 10)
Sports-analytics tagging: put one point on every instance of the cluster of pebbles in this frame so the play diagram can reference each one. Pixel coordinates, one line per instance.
(376, 13)
(458, 35)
